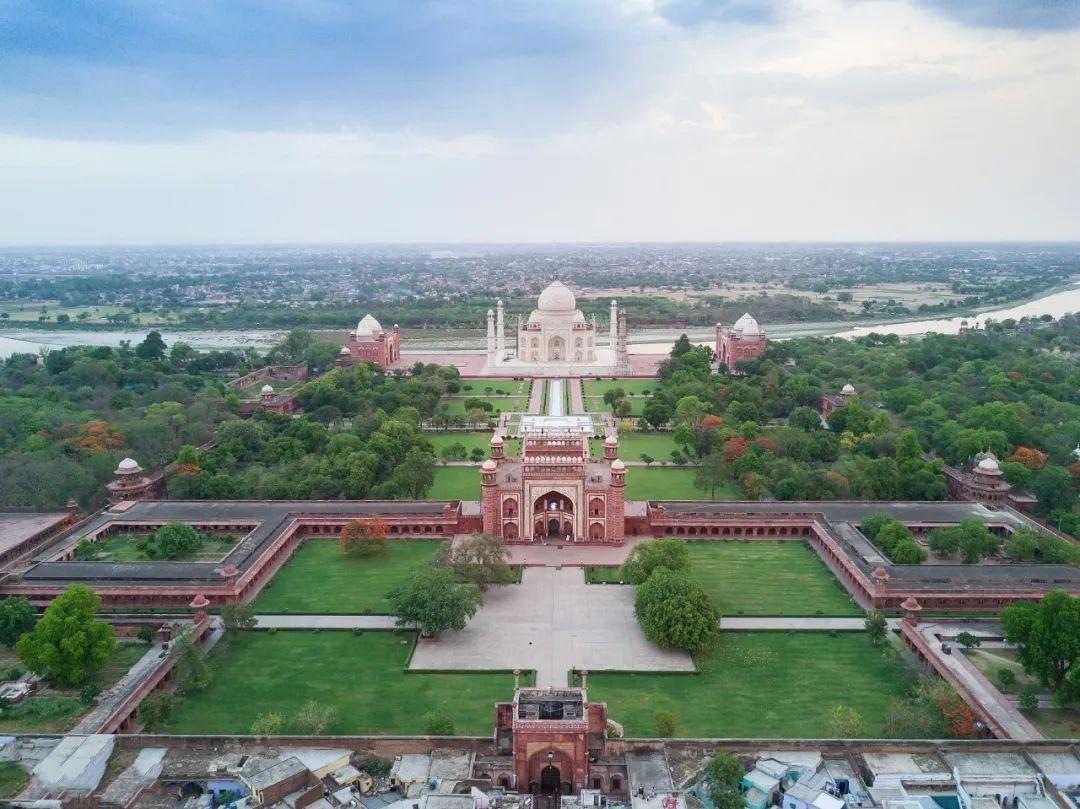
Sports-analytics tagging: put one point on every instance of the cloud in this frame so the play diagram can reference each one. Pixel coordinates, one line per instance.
(698, 12)
(1037, 15)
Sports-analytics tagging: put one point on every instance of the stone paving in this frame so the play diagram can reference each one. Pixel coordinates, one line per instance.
(551, 622)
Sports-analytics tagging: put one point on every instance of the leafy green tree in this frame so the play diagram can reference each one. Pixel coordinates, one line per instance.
(1047, 635)
(1053, 486)
(1022, 545)
(68, 644)
(192, 670)
(481, 559)
(876, 626)
(653, 554)
(172, 540)
(17, 617)
(151, 348)
(968, 641)
(413, 476)
(908, 552)
(156, 709)
(1029, 700)
(1006, 678)
(712, 472)
(845, 722)
(656, 413)
(723, 775)
(675, 611)
(434, 601)
(238, 617)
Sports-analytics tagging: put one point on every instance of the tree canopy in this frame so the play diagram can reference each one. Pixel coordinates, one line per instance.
(68, 644)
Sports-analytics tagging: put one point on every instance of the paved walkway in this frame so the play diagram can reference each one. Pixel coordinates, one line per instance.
(570, 554)
(995, 703)
(775, 623)
(527, 627)
(536, 397)
(577, 400)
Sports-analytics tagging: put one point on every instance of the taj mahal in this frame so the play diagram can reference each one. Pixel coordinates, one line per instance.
(556, 340)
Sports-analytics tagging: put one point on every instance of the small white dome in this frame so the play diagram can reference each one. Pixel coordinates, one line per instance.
(367, 326)
(848, 389)
(344, 351)
(557, 298)
(489, 465)
(611, 440)
(988, 466)
(128, 465)
(496, 441)
(267, 389)
(617, 465)
(747, 326)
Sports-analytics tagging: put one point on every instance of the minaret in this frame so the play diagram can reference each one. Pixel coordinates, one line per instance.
(500, 329)
(491, 332)
(613, 326)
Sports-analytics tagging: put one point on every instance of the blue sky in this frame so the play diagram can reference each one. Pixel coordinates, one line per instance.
(298, 120)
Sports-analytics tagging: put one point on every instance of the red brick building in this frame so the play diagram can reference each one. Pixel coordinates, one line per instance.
(554, 490)
(743, 341)
(552, 734)
(370, 343)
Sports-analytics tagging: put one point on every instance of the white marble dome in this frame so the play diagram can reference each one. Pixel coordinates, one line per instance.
(747, 326)
(367, 326)
(988, 466)
(267, 389)
(556, 299)
(848, 389)
(128, 465)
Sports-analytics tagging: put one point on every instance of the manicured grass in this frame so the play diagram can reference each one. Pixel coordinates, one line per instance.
(361, 676)
(1056, 723)
(509, 386)
(499, 404)
(670, 483)
(761, 578)
(125, 548)
(456, 483)
(480, 440)
(632, 387)
(13, 779)
(760, 684)
(658, 445)
(320, 579)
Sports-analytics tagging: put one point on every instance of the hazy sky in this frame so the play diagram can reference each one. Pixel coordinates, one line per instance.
(147, 121)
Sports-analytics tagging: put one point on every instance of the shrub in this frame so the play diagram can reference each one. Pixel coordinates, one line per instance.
(146, 635)
(437, 723)
(89, 693)
(675, 611)
(664, 722)
(1029, 701)
(271, 630)
(653, 554)
(267, 724)
(1006, 678)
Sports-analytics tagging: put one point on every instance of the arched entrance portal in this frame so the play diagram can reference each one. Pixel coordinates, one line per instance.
(553, 515)
(550, 780)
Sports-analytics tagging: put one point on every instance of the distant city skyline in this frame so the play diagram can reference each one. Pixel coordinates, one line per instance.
(461, 122)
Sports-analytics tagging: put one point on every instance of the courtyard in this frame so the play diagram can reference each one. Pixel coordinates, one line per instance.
(760, 684)
(362, 677)
(761, 578)
(321, 579)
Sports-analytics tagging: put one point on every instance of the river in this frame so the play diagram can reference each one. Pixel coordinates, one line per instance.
(1056, 304)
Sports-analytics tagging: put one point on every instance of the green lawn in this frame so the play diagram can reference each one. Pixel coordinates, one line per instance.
(320, 579)
(632, 387)
(13, 779)
(481, 440)
(670, 483)
(508, 386)
(456, 483)
(762, 578)
(632, 445)
(125, 548)
(499, 404)
(760, 684)
(362, 676)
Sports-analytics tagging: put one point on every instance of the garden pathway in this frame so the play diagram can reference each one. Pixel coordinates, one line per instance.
(536, 397)
(577, 401)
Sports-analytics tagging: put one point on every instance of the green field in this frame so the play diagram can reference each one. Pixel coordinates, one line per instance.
(499, 404)
(632, 445)
(481, 440)
(13, 779)
(670, 483)
(361, 676)
(510, 387)
(320, 579)
(762, 578)
(456, 483)
(125, 548)
(760, 684)
(632, 387)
